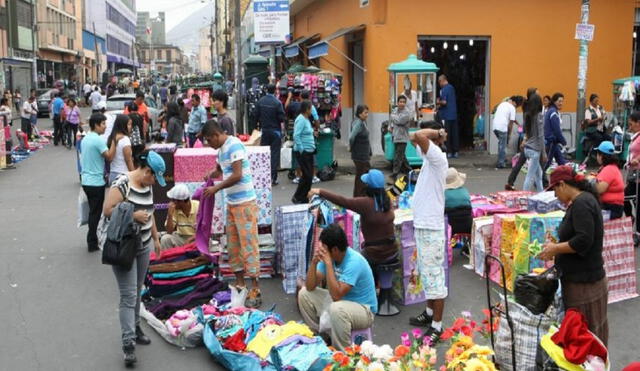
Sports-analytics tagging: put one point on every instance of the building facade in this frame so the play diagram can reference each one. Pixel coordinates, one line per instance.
(205, 61)
(17, 45)
(156, 26)
(94, 47)
(486, 58)
(166, 59)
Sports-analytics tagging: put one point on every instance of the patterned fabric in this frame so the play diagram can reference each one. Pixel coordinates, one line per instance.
(430, 245)
(260, 162)
(192, 164)
(231, 151)
(291, 237)
(242, 238)
(619, 259)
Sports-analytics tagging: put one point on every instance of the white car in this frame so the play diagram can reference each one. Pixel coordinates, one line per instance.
(117, 102)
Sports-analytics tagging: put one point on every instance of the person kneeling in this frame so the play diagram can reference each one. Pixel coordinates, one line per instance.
(181, 218)
(350, 288)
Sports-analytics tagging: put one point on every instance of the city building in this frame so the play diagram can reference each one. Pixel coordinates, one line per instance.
(488, 51)
(151, 30)
(94, 46)
(17, 43)
(59, 41)
(205, 60)
(166, 59)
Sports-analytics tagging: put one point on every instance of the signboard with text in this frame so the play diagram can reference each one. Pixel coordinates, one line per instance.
(584, 31)
(271, 20)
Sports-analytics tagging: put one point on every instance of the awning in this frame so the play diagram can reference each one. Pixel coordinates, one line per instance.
(265, 50)
(293, 49)
(321, 48)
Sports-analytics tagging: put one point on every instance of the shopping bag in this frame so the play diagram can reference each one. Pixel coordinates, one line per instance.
(254, 139)
(536, 292)
(83, 208)
(324, 326)
(286, 158)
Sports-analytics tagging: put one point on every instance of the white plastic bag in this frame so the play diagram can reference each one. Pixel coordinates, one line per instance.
(324, 325)
(286, 156)
(238, 296)
(83, 208)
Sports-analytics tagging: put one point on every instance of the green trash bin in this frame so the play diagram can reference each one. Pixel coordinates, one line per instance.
(324, 149)
(412, 155)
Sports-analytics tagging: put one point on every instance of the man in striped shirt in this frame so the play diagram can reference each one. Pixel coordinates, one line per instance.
(242, 210)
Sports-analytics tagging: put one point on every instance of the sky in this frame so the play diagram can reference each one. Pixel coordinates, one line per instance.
(176, 10)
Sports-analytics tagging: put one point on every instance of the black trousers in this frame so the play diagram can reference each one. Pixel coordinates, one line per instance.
(305, 162)
(400, 163)
(25, 125)
(630, 190)
(453, 136)
(95, 195)
(359, 188)
(57, 129)
(598, 137)
(273, 139)
(516, 169)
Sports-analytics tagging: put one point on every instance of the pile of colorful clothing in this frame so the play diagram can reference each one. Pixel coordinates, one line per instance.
(267, 258)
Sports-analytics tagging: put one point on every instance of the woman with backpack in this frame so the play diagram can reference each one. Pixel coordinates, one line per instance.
(135, 187)
(123, 161)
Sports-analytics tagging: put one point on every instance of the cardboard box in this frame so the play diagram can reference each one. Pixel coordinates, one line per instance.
(192, 164)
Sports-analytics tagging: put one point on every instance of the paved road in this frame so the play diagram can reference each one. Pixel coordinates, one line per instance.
(58, 303)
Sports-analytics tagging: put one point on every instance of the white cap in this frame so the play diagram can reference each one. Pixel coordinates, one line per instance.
(179, 192)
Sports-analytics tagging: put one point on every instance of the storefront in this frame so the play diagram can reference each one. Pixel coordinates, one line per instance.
(531, 45)
(18, 74)
(54, 65)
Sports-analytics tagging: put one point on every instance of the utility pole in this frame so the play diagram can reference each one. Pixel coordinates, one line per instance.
(215, 21)
(95, 46)
(34, 64)
(583, 57)
(238, 41)
(211, 38)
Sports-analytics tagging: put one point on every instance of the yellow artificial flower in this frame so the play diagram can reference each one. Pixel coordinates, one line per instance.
(476, 364)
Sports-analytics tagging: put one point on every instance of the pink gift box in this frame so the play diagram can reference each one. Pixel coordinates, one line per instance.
(192, 164)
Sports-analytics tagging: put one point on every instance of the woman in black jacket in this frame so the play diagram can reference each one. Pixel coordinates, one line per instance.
(578, 254)
(360, 148)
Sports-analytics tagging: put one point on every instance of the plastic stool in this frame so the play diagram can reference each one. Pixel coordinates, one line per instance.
(358, 336)
(385, 279)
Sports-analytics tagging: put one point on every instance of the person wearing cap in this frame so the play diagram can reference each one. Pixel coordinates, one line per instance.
(376, 217)
(457, 202)
(578, 252)
(135, 187)
(181, 218)
(608, 182)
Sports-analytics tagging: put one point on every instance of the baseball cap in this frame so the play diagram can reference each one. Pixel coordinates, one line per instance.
(156, 163)
(374, 178)
(606, 147)
(179, 192)
(561, 173)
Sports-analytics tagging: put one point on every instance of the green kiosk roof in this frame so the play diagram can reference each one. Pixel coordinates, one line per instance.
(625, 79)
(412, 65)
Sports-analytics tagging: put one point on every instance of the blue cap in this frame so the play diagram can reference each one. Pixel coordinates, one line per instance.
(156, 163)
(607, 148)
(374, 178)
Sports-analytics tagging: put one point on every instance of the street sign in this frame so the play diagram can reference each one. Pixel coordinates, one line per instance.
(271, 20)
(584, 31)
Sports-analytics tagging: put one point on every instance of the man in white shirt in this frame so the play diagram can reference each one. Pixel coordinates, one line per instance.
(86, 89)
(503, 121)
(412, 99)
(429, 225)
(25, 115)
(95, 98)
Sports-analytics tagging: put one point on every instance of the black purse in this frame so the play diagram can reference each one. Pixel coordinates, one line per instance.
(122, 253)
(536, 292)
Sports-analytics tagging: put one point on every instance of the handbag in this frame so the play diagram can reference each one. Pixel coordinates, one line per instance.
(122, 250)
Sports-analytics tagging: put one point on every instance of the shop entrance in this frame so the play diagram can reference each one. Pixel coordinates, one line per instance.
(357, 75)
(465, 61)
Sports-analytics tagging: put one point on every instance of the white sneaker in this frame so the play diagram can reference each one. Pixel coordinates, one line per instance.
(315, 180)
(296, 180)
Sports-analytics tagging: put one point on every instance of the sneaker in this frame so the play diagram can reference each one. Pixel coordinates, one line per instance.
(433, 335)
(421, 320)
(315, 180)
(254, 298)
(296, 180)
(509, 187)
(130, 358)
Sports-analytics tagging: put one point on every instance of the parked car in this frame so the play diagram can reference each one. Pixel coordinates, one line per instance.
(44, 100)
(117, 102)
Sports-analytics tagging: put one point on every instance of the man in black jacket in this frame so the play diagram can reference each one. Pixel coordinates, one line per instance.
(270, 116)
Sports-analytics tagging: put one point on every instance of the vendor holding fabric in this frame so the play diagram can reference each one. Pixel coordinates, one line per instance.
(351, 289)
(181, 218)
(578, 255)
(376, 213)
(608, 182)
(457, 202)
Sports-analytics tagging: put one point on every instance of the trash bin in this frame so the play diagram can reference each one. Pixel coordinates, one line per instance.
(411, 153)
(324, 148)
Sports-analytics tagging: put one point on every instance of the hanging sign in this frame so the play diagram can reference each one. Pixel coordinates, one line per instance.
(271, 20)
(584, 31)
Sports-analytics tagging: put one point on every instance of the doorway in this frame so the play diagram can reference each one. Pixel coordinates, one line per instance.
(465, 60)
(357, 74)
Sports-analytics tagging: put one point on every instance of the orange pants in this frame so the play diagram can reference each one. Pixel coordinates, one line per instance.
(242, 238)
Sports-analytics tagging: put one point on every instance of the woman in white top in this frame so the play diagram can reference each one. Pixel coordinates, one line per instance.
(123, 161)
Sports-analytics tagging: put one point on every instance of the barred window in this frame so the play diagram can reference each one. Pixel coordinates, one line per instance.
(24, 14)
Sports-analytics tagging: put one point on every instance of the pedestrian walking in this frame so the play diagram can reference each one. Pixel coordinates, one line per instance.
(553, 138)
(56, 109)
(94, 152)
(304, 148)
(122, 162)
(86, 89)
(401, 119)
(242, 210)
(197, 119)
(448, 113)
(534, 149)
(135, 187)
(503, 121)
(519, 147)
(143, 111)
(164, 95)
(428, 219)
(220, 100)
(34, 117)
(25, 115)
(17, 99)
(71, 122)
(94, 99)
(360, 147)
(175, 125)
(137, 130)
(269, 114)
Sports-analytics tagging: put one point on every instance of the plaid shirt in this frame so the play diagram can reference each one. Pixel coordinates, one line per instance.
(291, 242)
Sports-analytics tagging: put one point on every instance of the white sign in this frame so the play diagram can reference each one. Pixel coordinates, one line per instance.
(271, 20)
(584, 31)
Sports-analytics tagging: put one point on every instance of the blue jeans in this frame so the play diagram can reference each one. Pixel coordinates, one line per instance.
(534, 174)
(192, 137)
(554, 151)
(502, 146)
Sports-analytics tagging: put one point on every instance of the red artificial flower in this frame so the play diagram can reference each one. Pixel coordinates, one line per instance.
(466, 330)
(401, 350)
(458, 324)
(447, 334)
(365, 360)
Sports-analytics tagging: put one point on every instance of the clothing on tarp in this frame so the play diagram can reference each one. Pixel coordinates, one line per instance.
(273, 334)
(204, 290)
(204, 217)
(576, 340)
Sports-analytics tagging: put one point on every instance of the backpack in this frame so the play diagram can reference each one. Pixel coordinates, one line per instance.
(122, 238)
(328, 172)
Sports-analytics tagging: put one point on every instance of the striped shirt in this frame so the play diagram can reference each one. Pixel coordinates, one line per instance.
(141, 199)
(231, 151)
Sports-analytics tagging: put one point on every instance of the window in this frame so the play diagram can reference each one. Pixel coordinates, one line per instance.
(120, 20)
(159, 54)
(118, 47)
(24, 14)
(169, 55)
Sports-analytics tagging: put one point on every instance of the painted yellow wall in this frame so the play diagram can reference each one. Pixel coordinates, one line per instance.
(532, 42)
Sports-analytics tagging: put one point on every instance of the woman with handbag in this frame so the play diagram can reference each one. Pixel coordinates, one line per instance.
(578, 254)
(135, 187)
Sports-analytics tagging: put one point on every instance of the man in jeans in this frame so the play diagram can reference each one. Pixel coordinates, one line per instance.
(503, 121)
(270, 116)
(401, 120)
(56, 108)
(197, 118)
(94, 152)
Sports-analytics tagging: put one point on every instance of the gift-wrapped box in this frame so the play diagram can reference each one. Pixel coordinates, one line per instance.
(619, 259)
(192, 164)
(481, 240)
(544, 202)
(260, 160)
(264, 201)
(504, 230)
(511, 198)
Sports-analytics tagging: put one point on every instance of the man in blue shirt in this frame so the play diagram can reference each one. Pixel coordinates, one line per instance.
(270, 115)
(197, 119)
(448, 112)
(351, 289)
(56, 108)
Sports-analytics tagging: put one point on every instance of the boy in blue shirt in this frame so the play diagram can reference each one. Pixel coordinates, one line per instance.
(56, 108)
(350, 288)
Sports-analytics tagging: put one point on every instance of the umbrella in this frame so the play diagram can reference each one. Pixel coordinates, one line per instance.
(124, 71)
